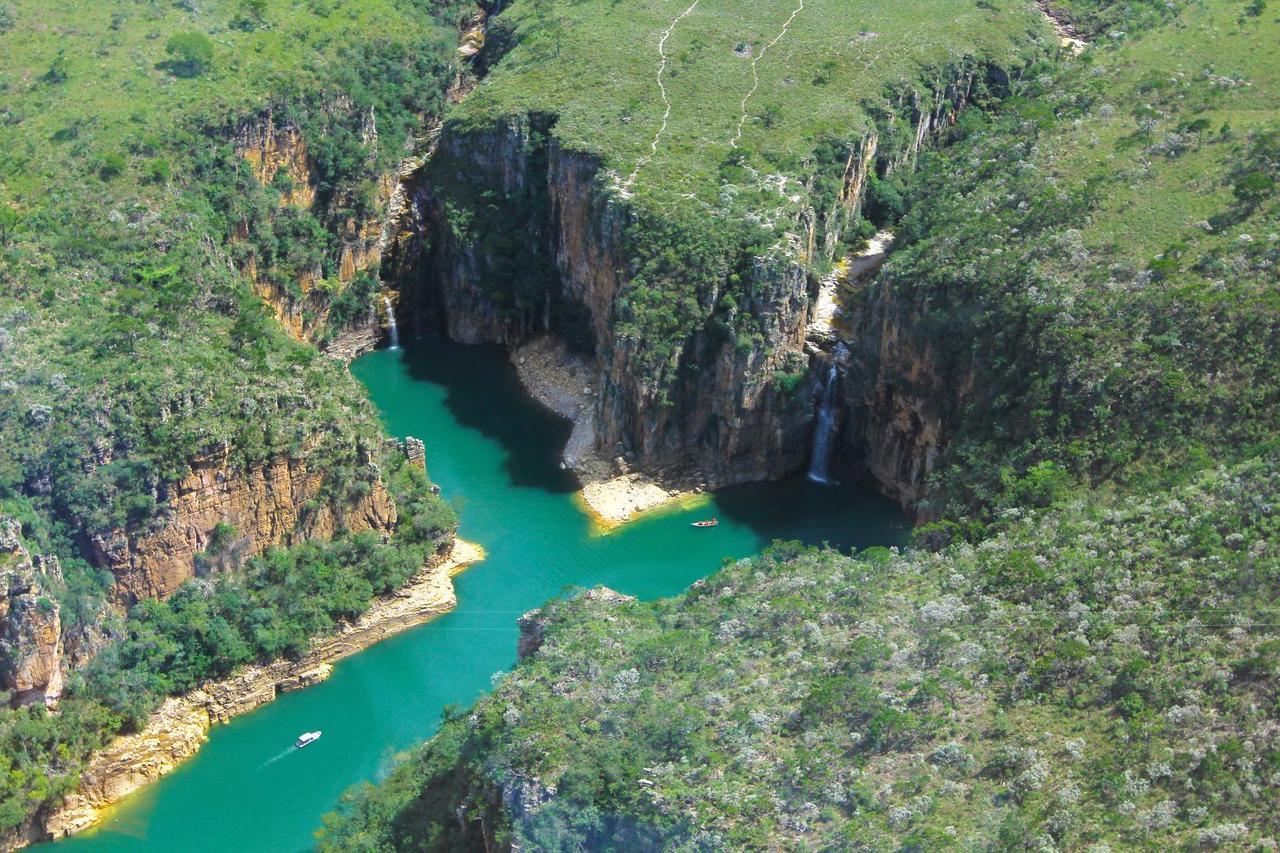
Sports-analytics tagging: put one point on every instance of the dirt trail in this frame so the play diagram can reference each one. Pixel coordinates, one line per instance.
(755, 74)
(1072, 39)
(662, 89)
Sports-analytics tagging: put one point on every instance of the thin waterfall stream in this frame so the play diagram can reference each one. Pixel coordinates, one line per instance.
(825, 424)
(393, 331)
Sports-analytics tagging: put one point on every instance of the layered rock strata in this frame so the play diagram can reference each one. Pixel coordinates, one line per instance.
(273, 504)
(31, 668)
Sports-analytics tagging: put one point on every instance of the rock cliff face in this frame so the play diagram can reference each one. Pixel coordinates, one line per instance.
(277, 503)
(897, 396)
(30, 624)
(719, 422)
(275, 148)
(554, 259)
(179, 728)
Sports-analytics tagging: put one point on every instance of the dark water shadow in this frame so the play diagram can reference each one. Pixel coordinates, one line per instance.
(483, 392)
(845, 515)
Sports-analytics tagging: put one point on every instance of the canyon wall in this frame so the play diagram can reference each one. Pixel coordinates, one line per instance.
(897, 396)
(30, 624)
(277, 503)
(524, 236)
(278, 148)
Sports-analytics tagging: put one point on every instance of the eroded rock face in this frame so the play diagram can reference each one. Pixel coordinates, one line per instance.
(897, 395)
(274, 148)
(719, 416)
(267, 505)
(30, 624)
(728, 422)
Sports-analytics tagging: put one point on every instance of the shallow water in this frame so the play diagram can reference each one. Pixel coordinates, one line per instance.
(494, 452)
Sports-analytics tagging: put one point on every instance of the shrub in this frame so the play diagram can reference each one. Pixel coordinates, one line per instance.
(191, 52)
(111, 166)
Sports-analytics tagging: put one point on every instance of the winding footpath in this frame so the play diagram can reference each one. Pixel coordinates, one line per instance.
(755, 74)
(662, 89)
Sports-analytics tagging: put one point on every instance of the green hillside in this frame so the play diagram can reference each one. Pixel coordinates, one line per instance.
(1098, 257)
(130, 344)
(1080, 653)
(1044, 688)
(786, 75)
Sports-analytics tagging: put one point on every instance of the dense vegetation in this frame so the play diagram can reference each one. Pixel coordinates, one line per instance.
(1104, 673)
(1097, 258)
(132, 341)
(760, 127)
(1083, 654)
(256, 610)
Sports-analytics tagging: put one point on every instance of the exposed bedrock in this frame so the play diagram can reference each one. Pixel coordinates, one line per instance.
(520, 236)
(276, 503)
(30, 625)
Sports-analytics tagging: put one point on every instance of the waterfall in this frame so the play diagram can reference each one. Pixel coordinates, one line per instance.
(392, 330)
(824, 429)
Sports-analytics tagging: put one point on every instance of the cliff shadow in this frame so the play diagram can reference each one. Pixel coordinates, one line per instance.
(483, 392)
(845, 515)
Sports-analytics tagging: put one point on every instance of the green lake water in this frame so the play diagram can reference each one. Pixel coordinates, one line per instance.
(495, 453)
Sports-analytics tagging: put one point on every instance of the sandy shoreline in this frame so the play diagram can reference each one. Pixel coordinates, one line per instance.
(180, 726)
(567, 384)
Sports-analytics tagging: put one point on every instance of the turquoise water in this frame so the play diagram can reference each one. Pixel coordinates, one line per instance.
(493, 452)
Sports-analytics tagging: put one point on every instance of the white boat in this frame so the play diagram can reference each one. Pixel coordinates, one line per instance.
(307, 737)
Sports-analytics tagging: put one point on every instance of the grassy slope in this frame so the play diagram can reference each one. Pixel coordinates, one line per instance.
(1209, 67)
(597, 70)
(1083, 253)
(117, 93)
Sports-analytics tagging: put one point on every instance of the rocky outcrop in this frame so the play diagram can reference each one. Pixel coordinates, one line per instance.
(897, 396)
(179, 728)
(30, 624)
(720, 420)
(533, 625)
(278, 503)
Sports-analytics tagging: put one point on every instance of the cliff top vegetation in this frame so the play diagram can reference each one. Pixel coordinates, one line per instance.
(663, 92)
(1100, 674)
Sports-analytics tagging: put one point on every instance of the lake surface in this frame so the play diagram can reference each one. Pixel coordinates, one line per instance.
(495, 453)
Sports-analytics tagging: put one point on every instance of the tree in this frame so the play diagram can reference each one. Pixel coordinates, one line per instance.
(1253, 188)
(192, 54)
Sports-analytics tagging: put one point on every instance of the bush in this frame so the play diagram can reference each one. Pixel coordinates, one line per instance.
(111, 166)
(884, 204)
(191, 52)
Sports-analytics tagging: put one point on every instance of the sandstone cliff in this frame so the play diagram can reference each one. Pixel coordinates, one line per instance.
(30, 624)
(897, 397)
(552, 257)
(278, 503)
(273, 148)
(178, 729)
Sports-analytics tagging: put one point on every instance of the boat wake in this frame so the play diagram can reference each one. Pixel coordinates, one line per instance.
(276, 758)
